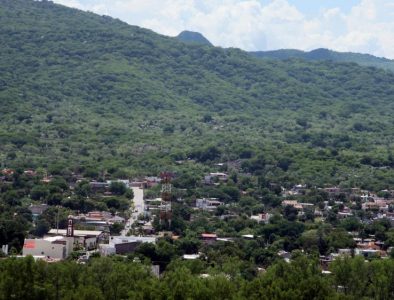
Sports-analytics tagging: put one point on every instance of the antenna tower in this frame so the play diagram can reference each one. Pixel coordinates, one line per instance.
(165, 207)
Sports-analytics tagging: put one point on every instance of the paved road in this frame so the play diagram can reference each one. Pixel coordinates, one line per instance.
(139, 207)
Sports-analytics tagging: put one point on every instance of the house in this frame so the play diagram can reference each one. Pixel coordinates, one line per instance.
(208, 238)
(7, 172)
(208, 204)
(141, 184)
(57, 247)
(376, 205)
(333, 191)
(191, 256)
(345, 252)
(116, 219)
(262, 218)
(368, 253)
(289, 202)
(37, 210)
(298, 189)
(346, 212)
(212, 178)
(47, 179)
(98, 187)
(365, 197)
(30, 173)
(152, 181)
(293, 203)
(153, 205)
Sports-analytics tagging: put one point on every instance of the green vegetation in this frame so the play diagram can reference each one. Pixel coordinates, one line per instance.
(121, 278)
(90, 94)
(325, 54)
(86, 97)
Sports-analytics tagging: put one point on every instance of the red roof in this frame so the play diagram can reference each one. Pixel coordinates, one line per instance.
(7, 171)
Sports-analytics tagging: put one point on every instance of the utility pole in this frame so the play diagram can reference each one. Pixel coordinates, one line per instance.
(57, 220)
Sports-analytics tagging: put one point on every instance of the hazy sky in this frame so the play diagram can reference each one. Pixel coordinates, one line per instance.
(365, 26)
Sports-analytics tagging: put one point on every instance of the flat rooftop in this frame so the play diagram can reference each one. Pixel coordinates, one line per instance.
(80, 233)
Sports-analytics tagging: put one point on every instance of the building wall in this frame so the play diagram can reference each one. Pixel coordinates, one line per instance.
(43, 247)
(125, 248)
(90, 243)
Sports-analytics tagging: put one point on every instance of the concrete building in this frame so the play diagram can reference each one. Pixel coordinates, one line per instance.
(208, 204)
(97, 186)
(261, 218)
(87, 238)
(124, 244)
(57, 247)
(216, 177)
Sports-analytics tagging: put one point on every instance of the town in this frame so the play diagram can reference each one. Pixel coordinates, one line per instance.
(238, 149)
(75, 217)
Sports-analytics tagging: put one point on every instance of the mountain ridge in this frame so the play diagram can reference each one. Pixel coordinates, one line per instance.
(326, 54)
(318, 54)
(82, 91)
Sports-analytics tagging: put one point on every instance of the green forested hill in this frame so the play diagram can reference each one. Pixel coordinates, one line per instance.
(91, 93)
(325, 54)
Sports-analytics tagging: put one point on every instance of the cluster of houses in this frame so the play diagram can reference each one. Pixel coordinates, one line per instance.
(58, 244)
(5, 173)
(377, 206)
(368, 248)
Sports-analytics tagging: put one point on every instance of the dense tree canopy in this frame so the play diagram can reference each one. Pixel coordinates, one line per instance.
(90, 94)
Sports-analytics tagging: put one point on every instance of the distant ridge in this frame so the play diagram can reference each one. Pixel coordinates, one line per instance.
(322, 54)
(191, 37)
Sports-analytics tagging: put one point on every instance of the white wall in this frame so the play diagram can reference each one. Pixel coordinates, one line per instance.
(46, 248)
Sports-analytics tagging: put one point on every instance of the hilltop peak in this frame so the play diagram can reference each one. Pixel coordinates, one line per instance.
(192, 37)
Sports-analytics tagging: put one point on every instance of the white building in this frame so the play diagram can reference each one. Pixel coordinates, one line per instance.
(57, 247)
(261, 218)
(213, 177)
(87, 238)
(208, 204)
